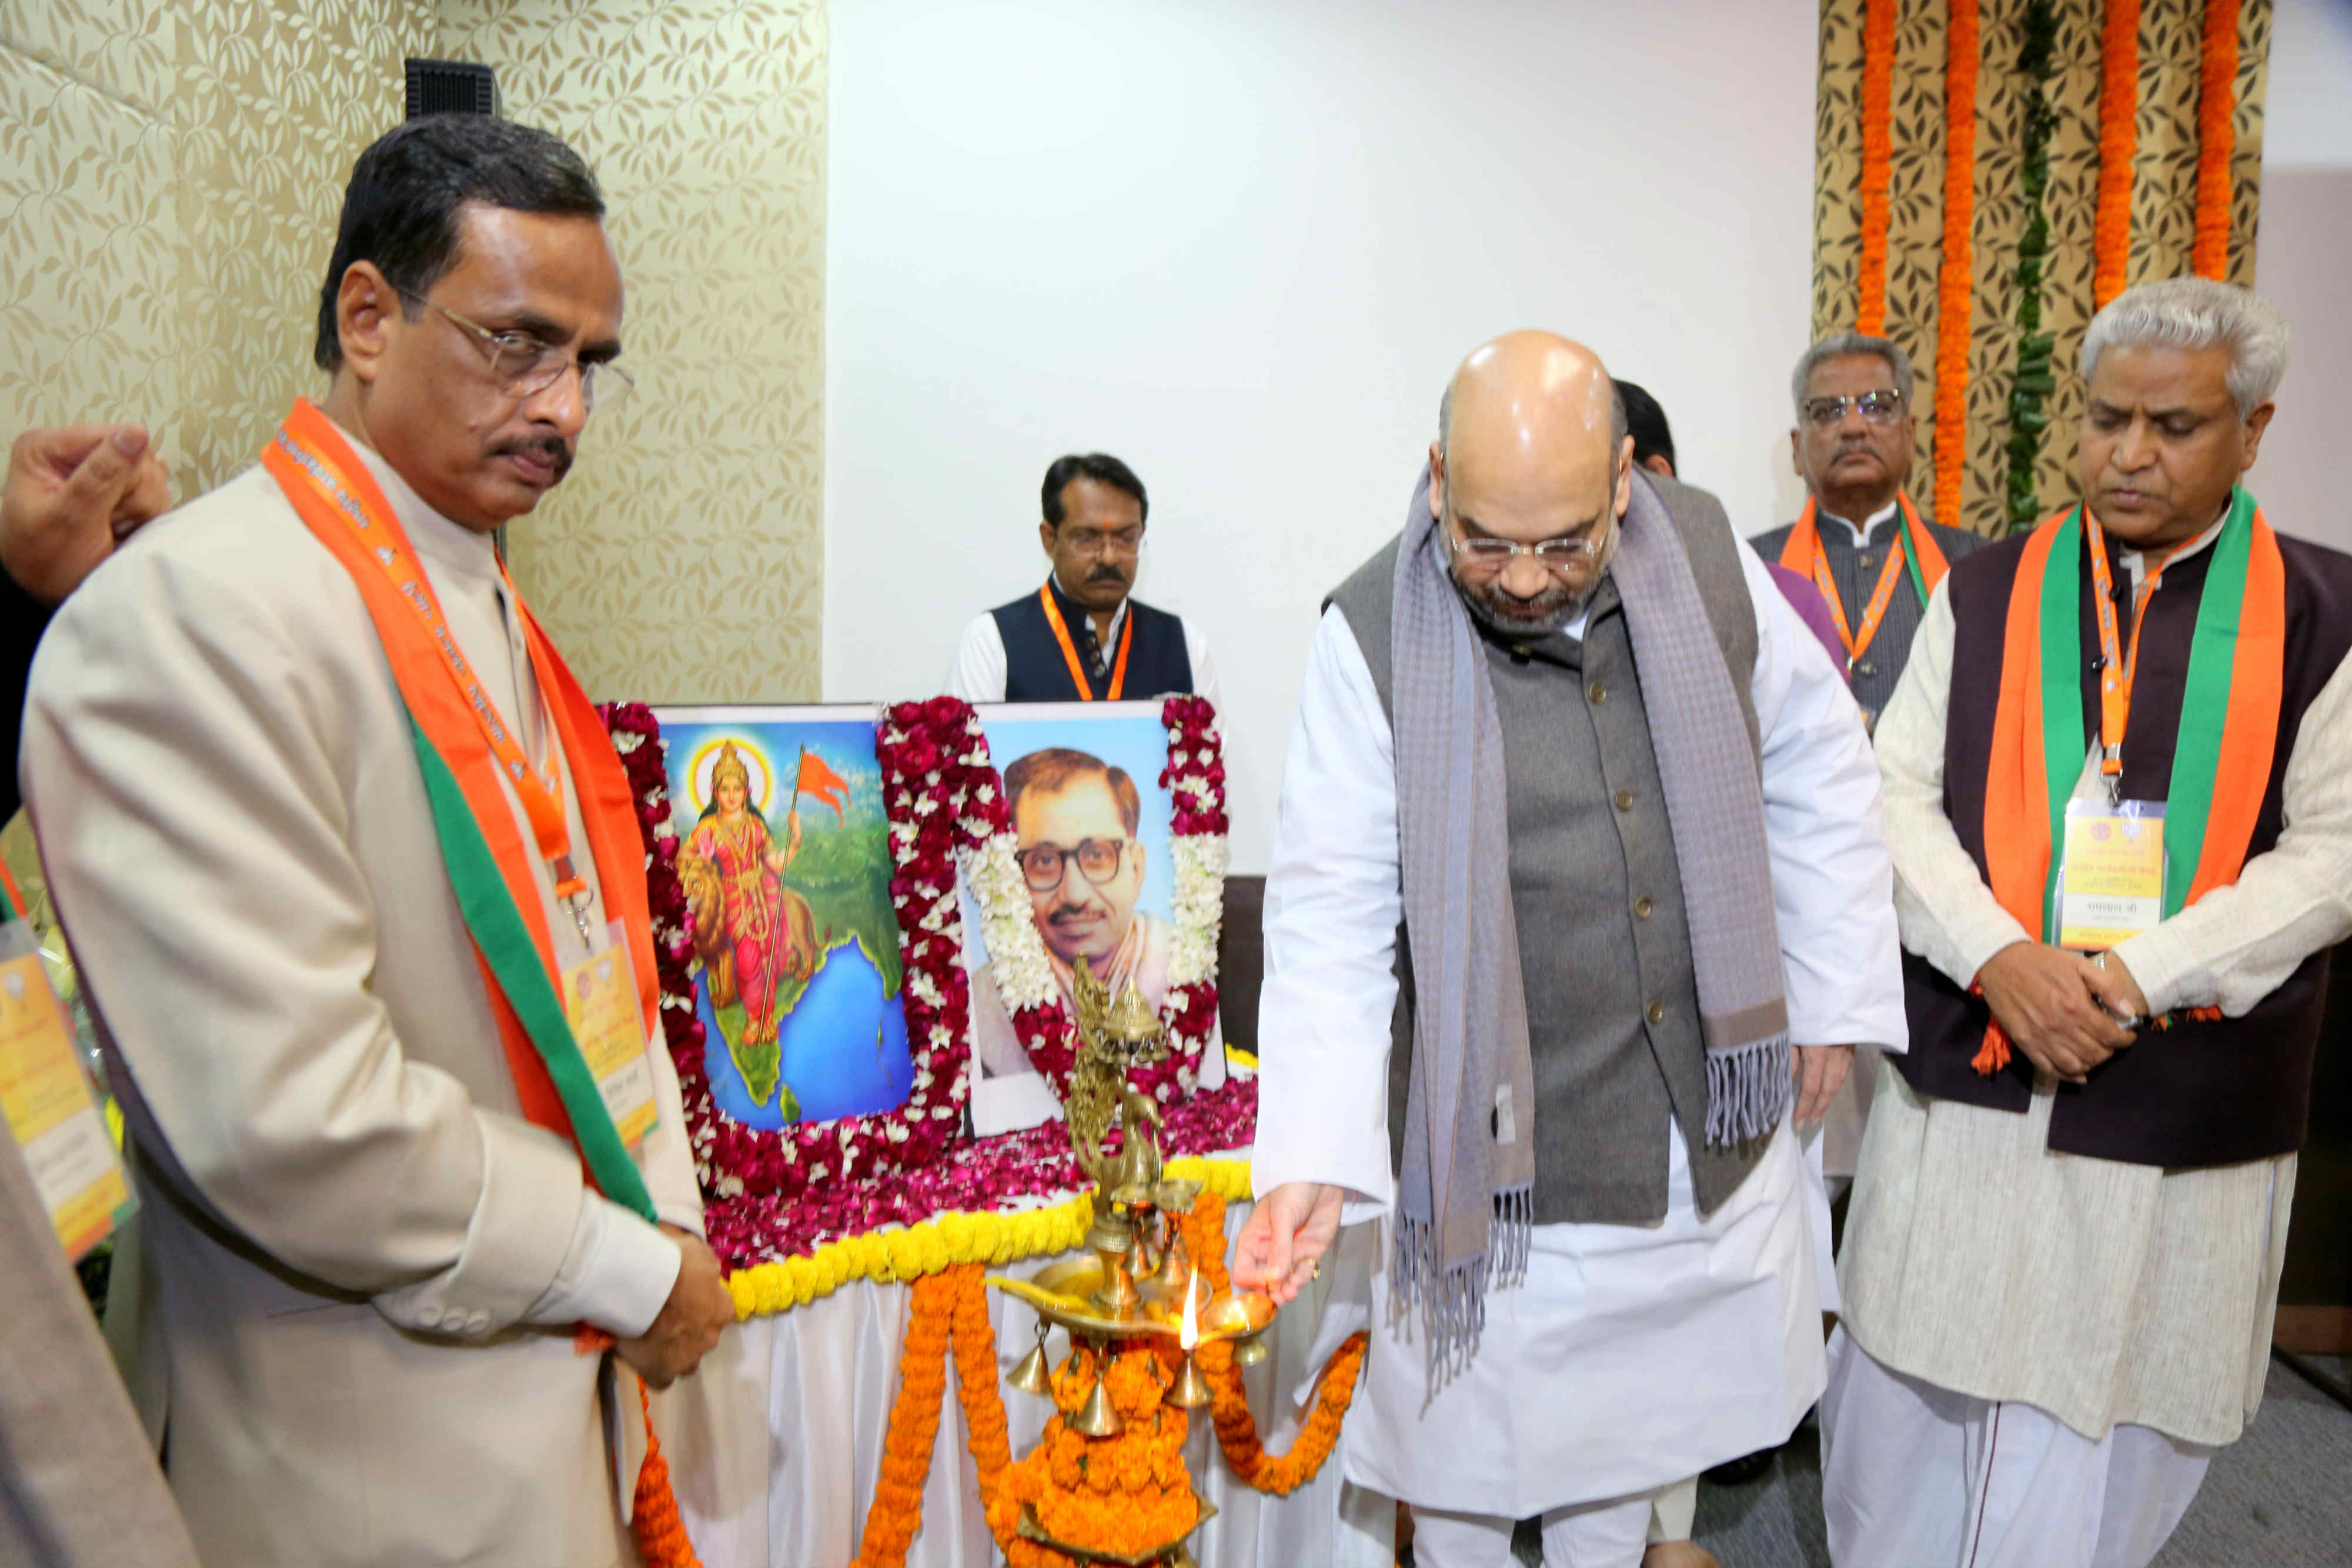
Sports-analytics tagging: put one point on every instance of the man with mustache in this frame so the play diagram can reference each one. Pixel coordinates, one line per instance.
(1077, 819)
(336, 836)
(1861, 540)
(1082, 637)
(1580, 894)
(2118, 780)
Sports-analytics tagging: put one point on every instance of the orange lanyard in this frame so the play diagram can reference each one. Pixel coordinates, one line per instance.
(1070, 649)
(1875, 611)
(8, 885)
(387, 545)
(2117, 663)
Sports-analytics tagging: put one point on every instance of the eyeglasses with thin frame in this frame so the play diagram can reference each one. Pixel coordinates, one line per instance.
(1557, 555)
(525, 366)
(1043, 866)
(1116, 541)
(1877, 407)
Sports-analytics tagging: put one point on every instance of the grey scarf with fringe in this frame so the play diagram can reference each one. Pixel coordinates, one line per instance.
(1466, 1201)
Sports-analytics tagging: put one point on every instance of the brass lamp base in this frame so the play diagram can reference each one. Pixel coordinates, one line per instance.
(1168, 1557)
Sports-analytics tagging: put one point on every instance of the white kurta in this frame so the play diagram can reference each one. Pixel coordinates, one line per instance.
(378, 1367)
(1634, 1355)
(1979, 1260)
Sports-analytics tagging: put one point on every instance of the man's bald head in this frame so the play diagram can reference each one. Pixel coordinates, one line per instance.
(1531, 447)
(1544, 362)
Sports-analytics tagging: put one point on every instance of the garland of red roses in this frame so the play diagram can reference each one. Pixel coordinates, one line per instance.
(1195, 778)
(759, 1200)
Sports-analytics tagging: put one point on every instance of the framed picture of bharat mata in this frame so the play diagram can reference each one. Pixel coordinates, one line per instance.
(1083, 795)
(784, 859)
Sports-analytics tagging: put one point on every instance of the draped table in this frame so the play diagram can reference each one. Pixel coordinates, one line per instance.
(775, 1446)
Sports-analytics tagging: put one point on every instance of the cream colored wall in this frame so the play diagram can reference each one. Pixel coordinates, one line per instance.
(684, 559)
(171, 174)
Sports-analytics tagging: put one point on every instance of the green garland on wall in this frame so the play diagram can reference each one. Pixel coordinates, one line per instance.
(2035, 381)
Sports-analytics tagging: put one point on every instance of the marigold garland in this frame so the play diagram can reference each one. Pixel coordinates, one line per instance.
(654, 1518)
(1229, 1403)
(1877, 160)
(2118, 145)
(1125, 1494)
(897, 1511)
(946, 1242)
(1955, 285)
(1121, 1495)
(2217, 107)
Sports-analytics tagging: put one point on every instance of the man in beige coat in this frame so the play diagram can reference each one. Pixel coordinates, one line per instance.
(363, 1266)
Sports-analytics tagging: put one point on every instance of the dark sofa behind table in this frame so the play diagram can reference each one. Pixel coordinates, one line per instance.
(1241, 960)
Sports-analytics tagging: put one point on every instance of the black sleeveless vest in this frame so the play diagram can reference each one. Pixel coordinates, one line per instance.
(1036, 671)
(2197, 1093)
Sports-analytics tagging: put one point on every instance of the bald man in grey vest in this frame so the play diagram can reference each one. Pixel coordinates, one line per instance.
(1580, 897)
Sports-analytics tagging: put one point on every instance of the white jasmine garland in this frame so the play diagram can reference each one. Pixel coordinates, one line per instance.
(1199, 907)
(1016, 953)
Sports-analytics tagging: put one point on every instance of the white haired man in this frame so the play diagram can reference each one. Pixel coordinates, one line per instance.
(2063, 1258)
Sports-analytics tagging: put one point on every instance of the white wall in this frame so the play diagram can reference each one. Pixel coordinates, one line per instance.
(2306, 234)
(1242, 246)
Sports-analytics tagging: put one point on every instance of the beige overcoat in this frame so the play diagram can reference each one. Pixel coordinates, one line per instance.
(360, 1267)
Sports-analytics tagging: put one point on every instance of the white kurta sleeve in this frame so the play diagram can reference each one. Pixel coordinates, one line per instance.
(1204, 669)
(1334, 895)
(978, 672)
(198, 845)
(1950, 916)
(2234, 947)
(1831, 884)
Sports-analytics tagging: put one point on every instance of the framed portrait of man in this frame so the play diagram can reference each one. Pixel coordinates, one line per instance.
(784, 860)
(1083, 795)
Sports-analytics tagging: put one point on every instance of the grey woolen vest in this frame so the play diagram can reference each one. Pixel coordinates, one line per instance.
(1604, 947)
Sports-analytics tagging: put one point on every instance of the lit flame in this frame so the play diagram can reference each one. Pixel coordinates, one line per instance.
(1188, 1333)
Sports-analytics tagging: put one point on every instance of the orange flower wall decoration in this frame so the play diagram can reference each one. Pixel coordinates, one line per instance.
(1877, 158)
(2118, 145)
(2217, 107)
(1953, 285)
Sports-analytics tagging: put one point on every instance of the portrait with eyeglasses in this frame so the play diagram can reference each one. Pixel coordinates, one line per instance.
(1092, 825)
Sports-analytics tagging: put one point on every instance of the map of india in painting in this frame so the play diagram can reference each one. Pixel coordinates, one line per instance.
(785, 856)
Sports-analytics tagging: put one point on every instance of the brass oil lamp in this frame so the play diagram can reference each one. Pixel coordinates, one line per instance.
(1138, 1282)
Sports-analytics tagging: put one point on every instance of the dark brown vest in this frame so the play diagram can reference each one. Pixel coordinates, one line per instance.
(2198, 1093)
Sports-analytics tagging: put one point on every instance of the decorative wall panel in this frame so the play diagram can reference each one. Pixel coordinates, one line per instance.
(172, 174)
(2163, 192)
(683, 559)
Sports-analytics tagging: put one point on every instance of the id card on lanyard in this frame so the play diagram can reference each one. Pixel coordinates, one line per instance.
(50, 1110)
(2112, 866)
(600, 998)
(2111, 878)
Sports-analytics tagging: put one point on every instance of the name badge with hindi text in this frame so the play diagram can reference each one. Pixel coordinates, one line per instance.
(600, 998)
(50, 1109)
(2111, 878)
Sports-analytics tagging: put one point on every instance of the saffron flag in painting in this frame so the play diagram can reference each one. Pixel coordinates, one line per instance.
(796, 957)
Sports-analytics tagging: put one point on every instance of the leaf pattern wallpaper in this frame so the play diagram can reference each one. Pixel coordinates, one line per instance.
(2164, 181)
(171, 175)
(683, 560)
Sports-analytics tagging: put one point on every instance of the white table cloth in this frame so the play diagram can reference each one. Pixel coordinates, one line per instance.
(776, 1444)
